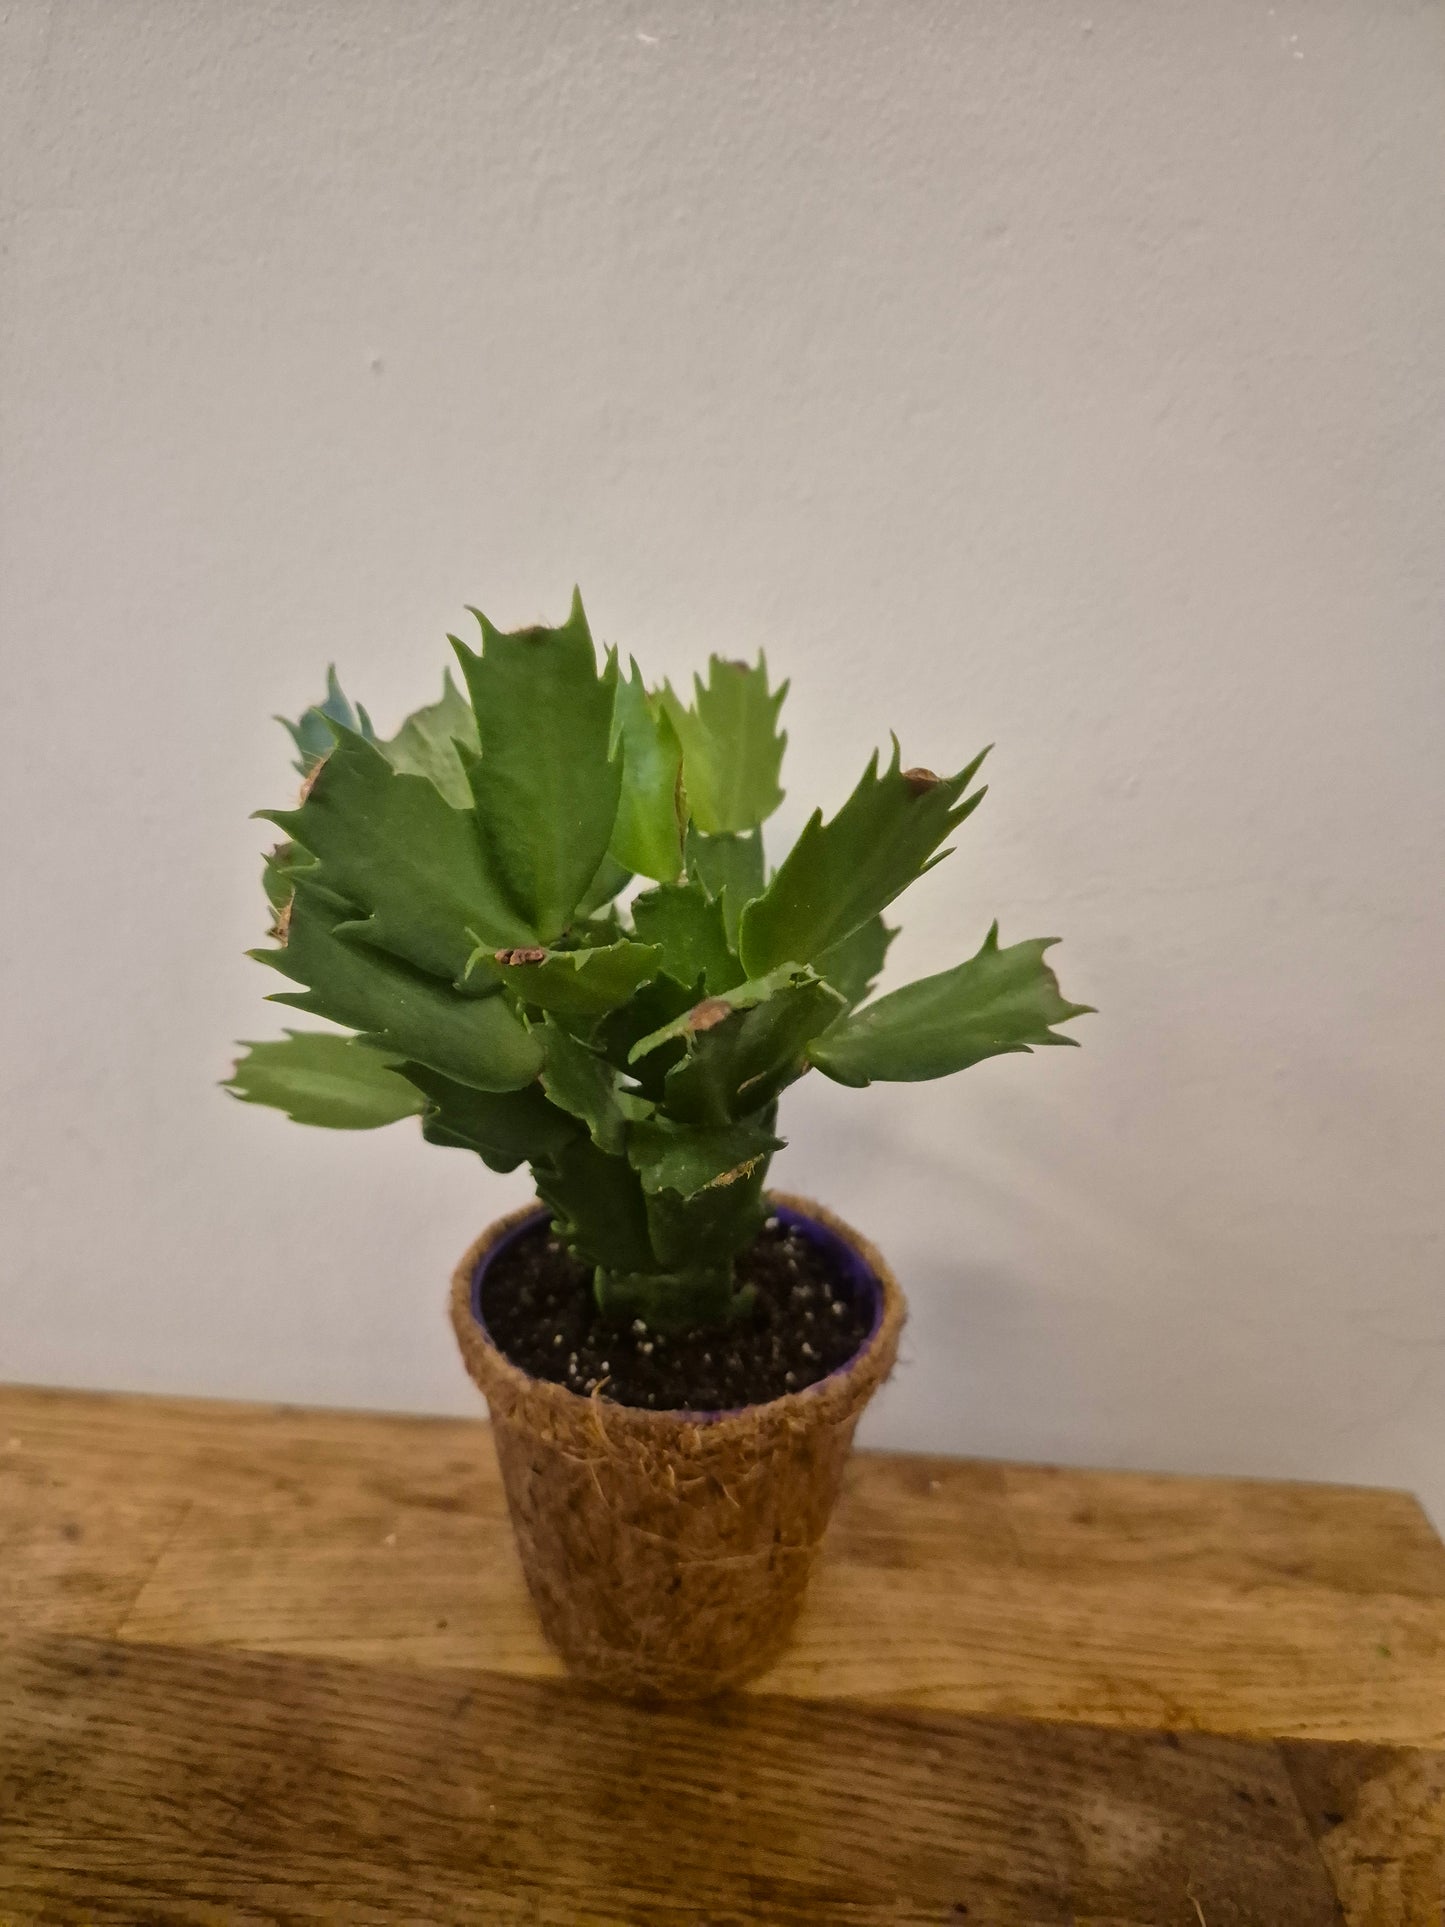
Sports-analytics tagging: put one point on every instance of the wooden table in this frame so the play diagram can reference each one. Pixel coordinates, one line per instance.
(278, 1666)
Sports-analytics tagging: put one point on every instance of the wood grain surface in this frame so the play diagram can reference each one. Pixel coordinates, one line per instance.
(272, 1665)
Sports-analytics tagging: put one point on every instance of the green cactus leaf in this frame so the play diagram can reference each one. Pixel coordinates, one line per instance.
(276, 877)
(740, 1064)
(647, 835)
(391, 844)
(596, 933)
(430, 741)
(688, 927)
(504, 1128)
(610, 878)
(692, 1158)
(998, 1001)
(732, 748)
(598, 1207)
(588, 1087)
(839, 874)
(585, 983)
(322, 1077)
(701, 1014)
(655, 1005)
(852, 965)
(729, 868)
(477, 1040)
(544, 907)
(702, 1235)
(311, 732)
(546, 785)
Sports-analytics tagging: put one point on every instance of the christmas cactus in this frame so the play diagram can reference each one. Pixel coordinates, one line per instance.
(454, 897)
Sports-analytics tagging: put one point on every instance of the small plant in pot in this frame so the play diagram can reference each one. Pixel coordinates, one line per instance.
(674, 1358)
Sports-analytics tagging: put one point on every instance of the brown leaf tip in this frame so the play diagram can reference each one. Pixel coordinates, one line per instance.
(308, 782)
(743, 1170)
(921, 780)
(524, 954)
(709, 1013)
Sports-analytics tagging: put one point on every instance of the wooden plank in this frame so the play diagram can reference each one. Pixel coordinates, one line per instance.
(76, 1543)
(1379, 1817)
(903, 1512)
(898, 1509)
(290, 1505)
(1219, 1605)
(1240, 1533)
(1279, 1661)
(203, 1785)
(406, 1560)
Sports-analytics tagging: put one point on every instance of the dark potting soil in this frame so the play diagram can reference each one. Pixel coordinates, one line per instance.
(538, 1306)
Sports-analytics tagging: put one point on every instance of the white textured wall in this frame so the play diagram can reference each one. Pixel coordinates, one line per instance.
(1065, 376)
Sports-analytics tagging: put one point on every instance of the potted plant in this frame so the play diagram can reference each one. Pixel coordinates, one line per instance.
(674, 1358)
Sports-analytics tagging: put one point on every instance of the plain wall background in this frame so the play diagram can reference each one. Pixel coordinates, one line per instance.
(1069, 377)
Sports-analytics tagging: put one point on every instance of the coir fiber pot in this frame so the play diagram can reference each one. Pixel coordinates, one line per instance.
(668, 1552)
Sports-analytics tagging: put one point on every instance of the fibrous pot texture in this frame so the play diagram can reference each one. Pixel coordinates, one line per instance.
(668, 1553)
